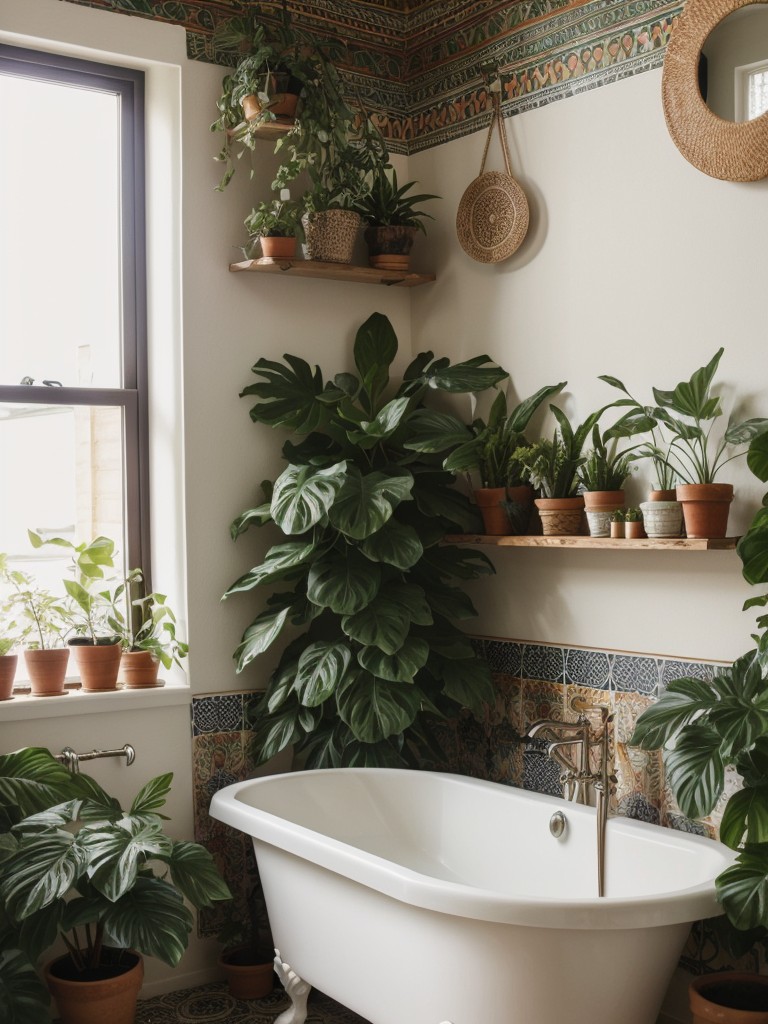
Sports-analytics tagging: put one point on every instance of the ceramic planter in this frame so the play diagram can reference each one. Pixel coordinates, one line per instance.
(662, 495)
(729, 997)
(561, 517)
(599, 505)
(634, 530)
(389, 248)
(662, 518)
(47, 670)
(97, 664)
(105, 1000)
(8, 663)
(246, 980)
(138, 669)
(330, 235)
(617, 530)
(505, 510)
(278, 247)
(705, 508)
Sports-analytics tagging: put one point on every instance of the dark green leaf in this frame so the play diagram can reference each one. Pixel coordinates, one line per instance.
(151, 919)
(194, 872)
(281, 562)
(399, 667)
(152, 796)
(32, 779)
(42, 871)
(468, 683)
(757, 457)
(374, 709)
(345, 583)
(432, 431)
(468, 376)
(304, 494)
(743, 889)
(695, 770)
(394, 544)
(681, 702)
(746, 811)
(382, 426)
(520, 417)
(262, 632)
(374, 350)
(287, 395)
(116, 852)
(691, 398)
(365, 503)
(24, 999)
(321, 668)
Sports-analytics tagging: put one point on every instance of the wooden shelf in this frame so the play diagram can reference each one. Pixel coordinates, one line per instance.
(332, 271)
(272, 129)
(600, 543)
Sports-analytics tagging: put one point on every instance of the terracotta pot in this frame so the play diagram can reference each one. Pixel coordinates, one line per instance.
(108, 1000)
(561, 517)
(281, 102)
(729, 997)
(662, 518)
(705, 508)
(617, 530)
(603, 501)
(498, 518)
(330, 235)
(47, 671)
(138, 669)
(634, 531)
(662, 495)
(8, 663)
(98, 664)
(277, 247)
(246, 980)
(389, 248)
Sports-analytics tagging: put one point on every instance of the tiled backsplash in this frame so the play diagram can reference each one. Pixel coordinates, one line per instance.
(532, 681)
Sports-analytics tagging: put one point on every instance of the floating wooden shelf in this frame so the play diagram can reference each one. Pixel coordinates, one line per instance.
(600, 543)
(272, 129)
(332, 271)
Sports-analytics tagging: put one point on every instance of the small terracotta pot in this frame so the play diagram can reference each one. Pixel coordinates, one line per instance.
(634, 531)
(246, 980)
(138, 669)
(111, 1000)
(497, 521)
(705, 508)
(662, 495)
(729, 997)
(98, 665)
(561, 517)
(47, 670)
(281, 104)
(278, 247)
(8, 663)
(617, 530)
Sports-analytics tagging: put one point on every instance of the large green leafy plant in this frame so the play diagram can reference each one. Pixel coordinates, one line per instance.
(74, 864)
(709, 725)
(364, 504)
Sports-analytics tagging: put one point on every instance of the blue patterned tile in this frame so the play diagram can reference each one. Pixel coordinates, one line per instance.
(587, 668)
(542, 662)
(504, 656)
(540, 773)
(677, 669)
(634, 674)
(217, 714)
(683, 824)
(636, 806)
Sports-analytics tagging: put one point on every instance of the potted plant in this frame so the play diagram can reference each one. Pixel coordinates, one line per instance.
(696, 455)
(505, 497)
(44, 621)
(706, 726)
(11, 635)
(363, 505)
(603, 475)
(275, 224)
(552, 467)
(260, 88)
(633, 524)
(247, 960)
(147, 631)
(92, 593)
(392, 219)
(616, 521)
(108, 882)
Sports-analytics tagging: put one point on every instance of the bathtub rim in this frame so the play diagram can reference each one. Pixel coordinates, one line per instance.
(449, 897)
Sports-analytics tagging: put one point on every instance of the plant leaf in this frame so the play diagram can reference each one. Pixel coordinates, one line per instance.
(757, 457)
(151, 918)
(394, 544)
(42, 871)
(520, 417)
(322, 666)
(691, 398)
(695, 770)
(345, 583)
(432, 431)
(24, 999)
(374, 709)
(194, 872)
(282, 561)
(399, 667)
(32, 779)
(468, 682)
(304, 494)
(114, 853)
(262, 632)
(288, 395)
(365, 503)
(152, 796)
(681, 702)
(382, 426)
(374, 351)
(467, 376)
(746, 811)
(743, 889)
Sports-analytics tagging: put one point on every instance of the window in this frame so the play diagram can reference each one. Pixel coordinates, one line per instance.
(751, 91)
(73, 366)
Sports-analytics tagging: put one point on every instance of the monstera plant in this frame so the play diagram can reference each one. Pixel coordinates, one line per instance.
(709, 725)
(364, 504)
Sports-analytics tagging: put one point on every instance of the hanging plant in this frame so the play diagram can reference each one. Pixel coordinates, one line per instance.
(364, 504)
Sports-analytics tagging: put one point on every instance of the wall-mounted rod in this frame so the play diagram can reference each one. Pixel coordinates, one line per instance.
(71, 760)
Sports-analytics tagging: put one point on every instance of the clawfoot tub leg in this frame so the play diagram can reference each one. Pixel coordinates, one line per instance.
(297, 989)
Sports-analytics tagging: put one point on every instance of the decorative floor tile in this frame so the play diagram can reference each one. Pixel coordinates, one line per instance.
(542, 662)
(212, 1004)
(633, 674)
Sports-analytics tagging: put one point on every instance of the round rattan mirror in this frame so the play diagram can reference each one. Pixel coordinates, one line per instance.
(723, 149)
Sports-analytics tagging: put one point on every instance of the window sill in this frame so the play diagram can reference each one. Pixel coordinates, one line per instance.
(74, 702)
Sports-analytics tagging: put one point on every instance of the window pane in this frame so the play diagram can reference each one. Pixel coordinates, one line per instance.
(65, 467)
(59, 213)
(758, 94)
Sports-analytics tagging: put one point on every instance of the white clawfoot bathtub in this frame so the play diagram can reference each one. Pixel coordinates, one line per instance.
(421, 898)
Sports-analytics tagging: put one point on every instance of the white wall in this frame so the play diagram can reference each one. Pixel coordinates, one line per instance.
(636, 265)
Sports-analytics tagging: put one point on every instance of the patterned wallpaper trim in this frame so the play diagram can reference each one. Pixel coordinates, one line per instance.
(423, 72)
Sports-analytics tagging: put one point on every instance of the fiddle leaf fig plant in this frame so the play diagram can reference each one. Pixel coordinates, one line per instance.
(363, 505)
(707, 726)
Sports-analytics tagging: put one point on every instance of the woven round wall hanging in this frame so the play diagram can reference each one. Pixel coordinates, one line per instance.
(492, 219)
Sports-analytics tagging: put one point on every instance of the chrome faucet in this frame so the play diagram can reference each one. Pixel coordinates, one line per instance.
(569, 744)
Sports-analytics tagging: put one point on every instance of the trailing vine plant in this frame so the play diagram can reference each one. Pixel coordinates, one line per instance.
(364, 504)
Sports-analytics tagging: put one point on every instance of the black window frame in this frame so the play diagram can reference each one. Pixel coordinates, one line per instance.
(132, 398)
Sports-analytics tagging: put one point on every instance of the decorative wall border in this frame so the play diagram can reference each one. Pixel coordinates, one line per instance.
(423, 71)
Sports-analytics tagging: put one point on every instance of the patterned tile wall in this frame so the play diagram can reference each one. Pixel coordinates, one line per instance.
(422, 70)
(532, 681)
